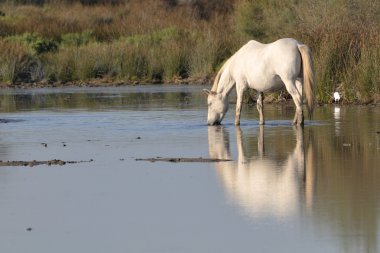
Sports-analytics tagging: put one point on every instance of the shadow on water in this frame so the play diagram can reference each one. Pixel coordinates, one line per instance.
(273, 177)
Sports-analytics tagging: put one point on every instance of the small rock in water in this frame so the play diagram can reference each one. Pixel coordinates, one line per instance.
(29, 229)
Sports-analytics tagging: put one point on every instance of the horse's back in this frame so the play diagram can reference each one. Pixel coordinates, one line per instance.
(281, 46)
(261, 66)
(284, 55)
(285, 49)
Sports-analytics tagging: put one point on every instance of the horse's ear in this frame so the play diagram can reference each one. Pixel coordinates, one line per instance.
(206, 91)
(209, 92)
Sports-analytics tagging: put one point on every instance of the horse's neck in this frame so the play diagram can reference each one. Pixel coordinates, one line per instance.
(225, 86)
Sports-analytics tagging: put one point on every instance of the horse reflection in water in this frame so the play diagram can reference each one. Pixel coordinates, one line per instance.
(261, 185)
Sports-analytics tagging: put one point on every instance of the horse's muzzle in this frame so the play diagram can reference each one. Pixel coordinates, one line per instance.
(215, 123)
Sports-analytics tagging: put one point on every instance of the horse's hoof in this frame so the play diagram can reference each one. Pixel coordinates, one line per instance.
(298, 123)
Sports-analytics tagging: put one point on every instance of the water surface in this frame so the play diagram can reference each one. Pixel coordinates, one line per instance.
(288, 189)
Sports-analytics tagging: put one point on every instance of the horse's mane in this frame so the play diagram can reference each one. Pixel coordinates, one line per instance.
(214, 87)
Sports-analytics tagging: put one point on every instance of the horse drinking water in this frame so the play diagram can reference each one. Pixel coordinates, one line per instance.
(264, 67)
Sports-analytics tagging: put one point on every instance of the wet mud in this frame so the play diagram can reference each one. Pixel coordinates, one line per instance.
(183, 160)
(36, 163)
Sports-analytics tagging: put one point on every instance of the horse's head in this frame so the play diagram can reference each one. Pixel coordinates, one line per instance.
(217, 107)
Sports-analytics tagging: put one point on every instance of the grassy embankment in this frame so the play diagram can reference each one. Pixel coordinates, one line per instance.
(65, 41)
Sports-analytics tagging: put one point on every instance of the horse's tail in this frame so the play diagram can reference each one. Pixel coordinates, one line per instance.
(308, 77)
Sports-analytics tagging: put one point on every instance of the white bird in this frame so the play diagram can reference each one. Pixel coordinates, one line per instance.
(336, 96)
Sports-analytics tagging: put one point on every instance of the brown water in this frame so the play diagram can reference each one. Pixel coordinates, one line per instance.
(288, 189)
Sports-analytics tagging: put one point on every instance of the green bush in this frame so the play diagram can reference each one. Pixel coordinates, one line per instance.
(40, 45)
(35, 43)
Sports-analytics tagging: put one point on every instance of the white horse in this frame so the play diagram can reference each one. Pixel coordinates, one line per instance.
(264, 67)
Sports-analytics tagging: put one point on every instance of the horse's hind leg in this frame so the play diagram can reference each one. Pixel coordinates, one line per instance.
(297, 98)
(260, 107)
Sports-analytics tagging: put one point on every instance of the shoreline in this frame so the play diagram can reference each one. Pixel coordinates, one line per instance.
(205, 82)
(105, 83)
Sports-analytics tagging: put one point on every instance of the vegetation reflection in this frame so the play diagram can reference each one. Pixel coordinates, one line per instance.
(11, 102)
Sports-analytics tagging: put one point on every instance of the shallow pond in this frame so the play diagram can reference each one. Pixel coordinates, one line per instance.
(287, 189)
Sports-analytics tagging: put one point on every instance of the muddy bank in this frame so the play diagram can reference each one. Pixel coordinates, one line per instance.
(36, 163)
(183, 160)
(105, 83)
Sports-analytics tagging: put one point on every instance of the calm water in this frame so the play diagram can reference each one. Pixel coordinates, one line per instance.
(287, 189)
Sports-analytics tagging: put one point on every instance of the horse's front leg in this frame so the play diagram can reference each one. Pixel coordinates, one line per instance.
(260, 107)
(239, 102)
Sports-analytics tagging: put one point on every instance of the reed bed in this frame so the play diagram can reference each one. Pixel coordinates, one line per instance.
(67, 41)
